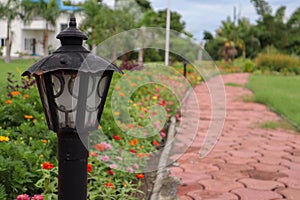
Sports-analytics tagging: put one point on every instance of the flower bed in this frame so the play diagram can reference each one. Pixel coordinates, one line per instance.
(132, 131)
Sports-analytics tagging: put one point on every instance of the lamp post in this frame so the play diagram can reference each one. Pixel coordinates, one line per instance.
(184, 61)
(73, 85)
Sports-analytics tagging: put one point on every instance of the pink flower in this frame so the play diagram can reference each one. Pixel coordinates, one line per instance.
(23, 197)
(129, 169)
(113, 166)
(119, 158)
(106, 145)
(38, 197)
(105, 158)
(136, 166)
(156, 125)
(163, 134)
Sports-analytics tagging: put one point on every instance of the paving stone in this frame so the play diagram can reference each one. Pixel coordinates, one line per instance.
(291, 173)
(265, 175)
(212, 195)
(184, 189)
(238, 160)
(200, 167)
(227, 175)
(271, 160)
(290, 182)
(267, 167)
(291, 165)
(290, 193)
(220, 186)
(250, 194)
(185, 198)
(258, 184)
(192, 177)
(292, 158)
(244, 154)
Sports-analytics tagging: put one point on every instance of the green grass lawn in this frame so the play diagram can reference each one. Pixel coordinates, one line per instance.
(280, 93)
(16, 67)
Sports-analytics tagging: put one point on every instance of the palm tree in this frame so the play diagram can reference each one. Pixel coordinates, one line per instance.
(49, 11)
(9, 11)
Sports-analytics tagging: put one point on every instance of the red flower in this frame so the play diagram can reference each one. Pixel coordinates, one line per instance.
(47, 165)
(99, 147)
(140, 176)
(155, 143)
(111, 172)
(90, 167)
(110, 185)
(132, 151)
(162, 102)
(116, 137)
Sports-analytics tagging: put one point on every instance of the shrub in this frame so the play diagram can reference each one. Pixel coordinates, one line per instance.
(278, 62)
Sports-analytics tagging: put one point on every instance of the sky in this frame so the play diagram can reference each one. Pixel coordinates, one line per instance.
(201, 15)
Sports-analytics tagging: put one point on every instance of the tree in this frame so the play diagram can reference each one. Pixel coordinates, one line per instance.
(49, 11)
(9, 11)
(262, 7)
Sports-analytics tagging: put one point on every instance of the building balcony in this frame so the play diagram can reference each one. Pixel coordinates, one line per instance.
(37, 24)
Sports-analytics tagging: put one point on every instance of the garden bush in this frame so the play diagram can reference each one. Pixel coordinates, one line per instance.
(282, 63)
(120, 148)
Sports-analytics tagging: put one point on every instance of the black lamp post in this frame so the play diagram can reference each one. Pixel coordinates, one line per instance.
(184, 61)
(73, 85)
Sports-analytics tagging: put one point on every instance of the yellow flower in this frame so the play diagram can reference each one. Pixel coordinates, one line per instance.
(15, 93)
(8, 101)
(117, 114)
(4, 139)
(28, 116)
(99, 127)
(154, 97)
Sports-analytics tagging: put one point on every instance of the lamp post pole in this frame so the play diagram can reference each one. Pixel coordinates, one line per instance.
(167, 35)
(73, 86)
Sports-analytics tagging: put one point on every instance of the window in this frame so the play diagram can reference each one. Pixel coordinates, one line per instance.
(28, 44)
(63, 26)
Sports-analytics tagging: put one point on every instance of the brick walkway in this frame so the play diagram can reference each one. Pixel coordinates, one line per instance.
(248, 162)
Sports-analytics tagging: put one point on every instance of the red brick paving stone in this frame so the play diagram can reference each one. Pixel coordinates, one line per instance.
(260, 184)
(291, 173)
(250, 194)
(292, 158)
(290, 193)
(227, 175)
(264, 175)
(291, 165)
(185, 198)
(267, 167)
(188, 178)
(212, 195)
(276, 147)
(234, 167)
(200, 167)
(220, 186)
(290, 182)
(271, 160)
(239, 161)
(183, 190)
(244, 154)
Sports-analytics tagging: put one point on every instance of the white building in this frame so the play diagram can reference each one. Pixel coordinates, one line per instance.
(27, 39)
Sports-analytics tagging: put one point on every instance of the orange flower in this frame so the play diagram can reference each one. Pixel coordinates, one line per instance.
(100, 147)
(44, 141)
(117, 114)
(121, 94)
(47, 165)
(8, 101)
(134, 142)
(110, 185)
(140, 176)
(25, 96)
(28, 116)
(15, 93)
(155, 143)
(131, 126)
(118, 88)
(140, 155)
(90, 167)
(133, 84)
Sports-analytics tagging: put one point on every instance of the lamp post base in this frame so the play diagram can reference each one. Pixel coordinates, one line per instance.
(72, 166)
